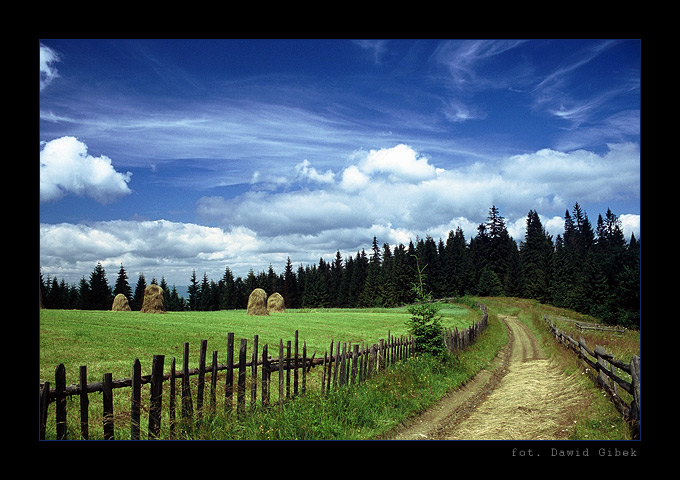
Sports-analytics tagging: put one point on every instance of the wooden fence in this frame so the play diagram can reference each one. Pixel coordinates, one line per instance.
(458, 340)
(343, 365)
(608, 375)
(346, 364)
(593, 326)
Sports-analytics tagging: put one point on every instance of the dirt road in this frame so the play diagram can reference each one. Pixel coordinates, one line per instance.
(521, 396)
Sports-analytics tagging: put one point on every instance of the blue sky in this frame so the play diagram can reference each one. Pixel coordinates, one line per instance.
(174, 155)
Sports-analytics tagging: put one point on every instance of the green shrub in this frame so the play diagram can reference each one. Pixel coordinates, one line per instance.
(425, 324)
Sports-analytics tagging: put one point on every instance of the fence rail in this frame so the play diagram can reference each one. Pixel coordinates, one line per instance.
(608, 377)
(343, 364)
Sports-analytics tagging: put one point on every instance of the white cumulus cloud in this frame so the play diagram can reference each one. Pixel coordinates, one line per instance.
(67, 168)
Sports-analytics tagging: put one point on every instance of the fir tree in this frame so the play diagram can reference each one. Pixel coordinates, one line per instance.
(194, 292)
(536, 253)
(100, 292)
(425, 323)
(122, 285)
(138, 297)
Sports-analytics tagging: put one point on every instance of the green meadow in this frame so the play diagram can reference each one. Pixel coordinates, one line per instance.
(109, 342)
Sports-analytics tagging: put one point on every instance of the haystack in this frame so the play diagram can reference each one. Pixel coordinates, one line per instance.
(153, 300)
(276, 304)
(257, 302)
(120, 304)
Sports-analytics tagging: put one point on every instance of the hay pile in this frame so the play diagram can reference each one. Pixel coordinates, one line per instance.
(120, 304)
(153, 300)
(257, 302)
(275, 303)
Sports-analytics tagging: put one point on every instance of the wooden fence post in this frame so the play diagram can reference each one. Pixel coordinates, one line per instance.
(173, 375)
(60, 390)
(156, 396)
(187, 404)
(635, 382)
(265, 376)
(241, 387)
(107, 398)
(304, 367)
(84, 404)
(281, 371)
(288, 369)
(135, 399)
(295, 366)
(44, 404)
(201, 378)
(229, 382)
(253, 366)
(213, 383)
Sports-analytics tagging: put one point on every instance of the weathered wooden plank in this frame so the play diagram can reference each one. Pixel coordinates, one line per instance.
(84, 404)
(107, 400)
(136, 400)
(241, 387)
(229, 382)
(173, 375)
(253, 367)
(187, 403)
(213, 382)
(156, 400)
(44, 404)
(60, 388)
(265, 375)
(200, 388)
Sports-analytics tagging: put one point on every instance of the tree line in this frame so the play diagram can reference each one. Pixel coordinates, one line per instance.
(591, 270)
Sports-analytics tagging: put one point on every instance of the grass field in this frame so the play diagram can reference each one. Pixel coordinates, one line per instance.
(109, 342)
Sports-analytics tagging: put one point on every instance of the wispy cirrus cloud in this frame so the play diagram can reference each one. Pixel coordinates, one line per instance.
(48, 70)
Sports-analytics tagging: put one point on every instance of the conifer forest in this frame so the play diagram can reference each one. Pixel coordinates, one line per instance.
(591, 269)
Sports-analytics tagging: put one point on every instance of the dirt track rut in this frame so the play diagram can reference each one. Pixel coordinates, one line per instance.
(521, 396)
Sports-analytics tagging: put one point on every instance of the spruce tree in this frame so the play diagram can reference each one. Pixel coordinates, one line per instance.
(194, 292)
(100, 292)
(227, 293)
(122, 285)
(425, 324)
(138, 297)
(536, 254)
